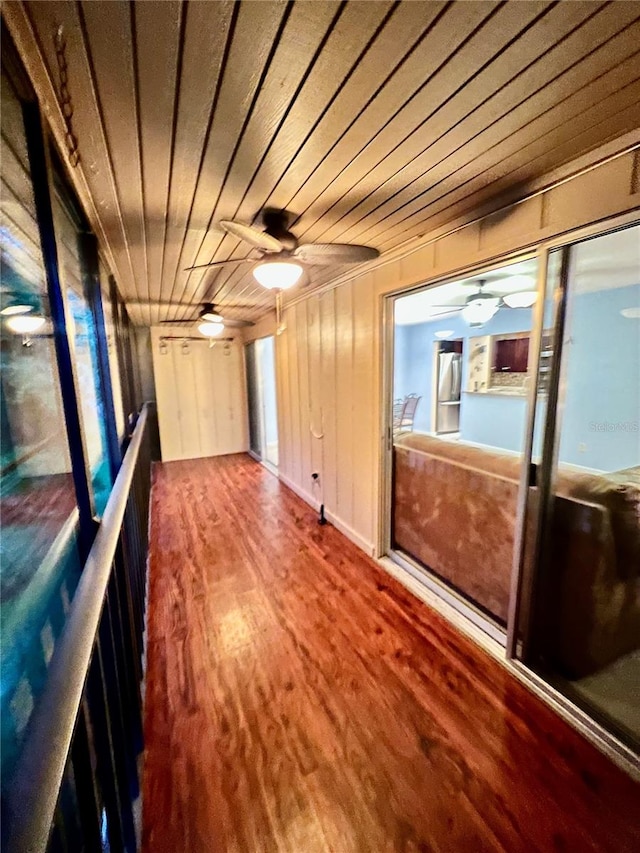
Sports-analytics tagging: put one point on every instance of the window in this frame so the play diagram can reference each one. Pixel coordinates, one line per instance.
(38, 553)
(82, 330)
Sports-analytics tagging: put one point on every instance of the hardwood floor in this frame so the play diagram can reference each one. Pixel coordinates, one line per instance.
(299, 699)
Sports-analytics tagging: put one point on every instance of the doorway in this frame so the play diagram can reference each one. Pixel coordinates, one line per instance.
(262, 395)
(527, 518)
(579, 627)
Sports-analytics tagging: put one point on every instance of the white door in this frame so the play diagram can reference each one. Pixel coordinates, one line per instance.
(201, 396)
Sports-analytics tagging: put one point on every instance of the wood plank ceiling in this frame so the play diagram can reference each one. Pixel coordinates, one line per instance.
(371, 122)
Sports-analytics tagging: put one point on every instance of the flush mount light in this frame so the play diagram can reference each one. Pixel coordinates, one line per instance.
(480, 310)
(445, 333)
(14, 310)
(211, 330)
(524, 299)
(277, 274)
(25, 324)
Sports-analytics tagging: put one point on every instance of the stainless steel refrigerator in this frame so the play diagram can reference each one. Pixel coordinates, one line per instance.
(448, 386)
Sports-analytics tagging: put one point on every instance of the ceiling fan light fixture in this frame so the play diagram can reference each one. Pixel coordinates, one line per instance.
(277, 275)
(210, 316)
(523, 299)
(480, 310)
(25, 324)
(210, 329)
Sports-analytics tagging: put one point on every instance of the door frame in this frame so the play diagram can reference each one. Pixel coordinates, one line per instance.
(520, 596)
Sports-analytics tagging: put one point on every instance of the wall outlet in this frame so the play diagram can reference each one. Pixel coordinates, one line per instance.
(582, 447)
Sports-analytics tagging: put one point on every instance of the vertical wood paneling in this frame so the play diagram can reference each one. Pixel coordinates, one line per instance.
(283, 403)
(316, 402)
(348, 419)
(364, 369)
(327, 382)
(304, 392)
(294, 339)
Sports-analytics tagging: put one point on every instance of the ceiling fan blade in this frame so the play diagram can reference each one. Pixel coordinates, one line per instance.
(222, 263)
(258, 239)
(236, 324)
(335, 253)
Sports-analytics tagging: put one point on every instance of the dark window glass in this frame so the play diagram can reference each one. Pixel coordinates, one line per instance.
(39, 563)
(83, 333)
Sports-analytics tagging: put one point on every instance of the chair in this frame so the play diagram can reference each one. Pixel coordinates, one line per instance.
(404, 412)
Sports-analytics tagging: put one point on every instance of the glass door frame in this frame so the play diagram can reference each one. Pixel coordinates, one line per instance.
(250, 350)
(450, 596)
(520, 597)
(520, 600)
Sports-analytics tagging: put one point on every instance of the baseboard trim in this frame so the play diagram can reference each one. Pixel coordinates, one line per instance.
(337, 522)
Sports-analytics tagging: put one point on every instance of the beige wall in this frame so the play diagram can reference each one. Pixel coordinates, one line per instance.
(329, 357)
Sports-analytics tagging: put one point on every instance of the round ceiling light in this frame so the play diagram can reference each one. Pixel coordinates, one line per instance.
(25, 324)
(480, 309)
(14, 310)
(277, 274)
(211, 330)
(523, 299)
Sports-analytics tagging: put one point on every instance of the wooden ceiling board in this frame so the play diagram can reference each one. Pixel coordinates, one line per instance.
(206, 35)
(303, 35)
(496, 152)
(370, 122)
(256, 28)
(157, 30)
(401, 160)
(109, 46)
(499, 119)
(88, 123)
(353, 29)
(390, 51)
(455, 24)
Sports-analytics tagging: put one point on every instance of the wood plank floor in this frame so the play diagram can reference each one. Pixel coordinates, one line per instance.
(299, 699)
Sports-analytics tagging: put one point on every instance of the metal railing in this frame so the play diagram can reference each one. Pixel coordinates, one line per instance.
(77, 778)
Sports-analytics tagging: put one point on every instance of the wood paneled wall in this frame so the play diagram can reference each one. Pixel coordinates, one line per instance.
(329, 358)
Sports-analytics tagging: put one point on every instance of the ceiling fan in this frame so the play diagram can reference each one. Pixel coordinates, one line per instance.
(280, 262)
(210, 318)
(480, 307)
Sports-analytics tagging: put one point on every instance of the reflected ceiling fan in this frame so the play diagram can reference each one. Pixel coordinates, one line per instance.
(211, 319)
(480, 307)
(280, 262)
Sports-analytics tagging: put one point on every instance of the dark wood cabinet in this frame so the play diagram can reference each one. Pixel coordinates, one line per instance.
(511, 355)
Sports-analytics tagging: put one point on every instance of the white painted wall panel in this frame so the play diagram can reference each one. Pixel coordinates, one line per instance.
(201, 398)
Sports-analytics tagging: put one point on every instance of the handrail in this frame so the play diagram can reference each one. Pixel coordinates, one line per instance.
(32, 800)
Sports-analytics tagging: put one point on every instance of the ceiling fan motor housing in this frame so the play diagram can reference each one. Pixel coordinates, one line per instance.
(276, 225)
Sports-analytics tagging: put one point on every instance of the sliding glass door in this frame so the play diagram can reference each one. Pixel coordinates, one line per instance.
(462, 372)
(581, 624)
(515, 462)
(261, 392)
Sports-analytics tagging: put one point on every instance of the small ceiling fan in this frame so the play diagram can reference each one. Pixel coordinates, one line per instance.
(480, 307)
(211, 319)
(279, 264)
